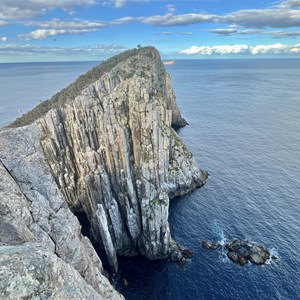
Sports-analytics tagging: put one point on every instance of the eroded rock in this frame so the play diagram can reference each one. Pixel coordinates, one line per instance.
(31, 271)
(241, 252)
(210, 245)
(41, 248)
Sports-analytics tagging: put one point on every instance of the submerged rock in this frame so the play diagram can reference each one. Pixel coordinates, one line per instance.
(241, 252)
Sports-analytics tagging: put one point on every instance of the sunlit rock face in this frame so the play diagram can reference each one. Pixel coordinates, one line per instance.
(112, 152)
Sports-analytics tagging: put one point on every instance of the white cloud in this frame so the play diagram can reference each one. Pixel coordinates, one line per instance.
(60, 27)
(233, 30)
(4, 39)
(210, 50)
(242, 49)
(41, 34)
(13, 13)
(295, 48)
(262, 18)
(16, 10)
(285, 14)
(167, 33)
(267, 49)
(290, 4)
(28, 50)
(171, 8)
(223, 31)
(122, 20)
(120, 3)
(186, 33)
(281, 34)
(65, 24)
(177, 20)
(67, 4)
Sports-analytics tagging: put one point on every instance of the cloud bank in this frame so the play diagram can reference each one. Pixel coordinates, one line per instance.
(277, 48)
(28, 49)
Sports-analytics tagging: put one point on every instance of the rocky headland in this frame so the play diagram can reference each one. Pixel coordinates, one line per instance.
(105, 146)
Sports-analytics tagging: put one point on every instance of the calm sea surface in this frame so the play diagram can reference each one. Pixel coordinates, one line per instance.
(24, 85)
(244, 130)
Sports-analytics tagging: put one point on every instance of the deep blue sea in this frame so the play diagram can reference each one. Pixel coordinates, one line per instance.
(244, 118)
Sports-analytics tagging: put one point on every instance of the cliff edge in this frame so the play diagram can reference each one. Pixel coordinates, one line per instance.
(105, 145)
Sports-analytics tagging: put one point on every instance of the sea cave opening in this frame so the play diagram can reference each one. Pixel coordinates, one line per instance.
(86, 230)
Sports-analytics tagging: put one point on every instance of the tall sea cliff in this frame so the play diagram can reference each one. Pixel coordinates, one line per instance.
(105, 145)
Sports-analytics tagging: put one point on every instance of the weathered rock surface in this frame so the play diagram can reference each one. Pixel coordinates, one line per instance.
(210, 245)
(41, 246)
(111, 152)
(241, 252)
(31, 271)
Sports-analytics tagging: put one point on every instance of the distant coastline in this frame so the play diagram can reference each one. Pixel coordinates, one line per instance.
(169, 62)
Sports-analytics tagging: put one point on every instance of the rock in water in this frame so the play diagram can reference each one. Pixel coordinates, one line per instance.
(104, 145)
(241, 252)
(209, 245)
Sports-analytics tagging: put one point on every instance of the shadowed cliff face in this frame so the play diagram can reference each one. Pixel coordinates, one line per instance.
(113, 153)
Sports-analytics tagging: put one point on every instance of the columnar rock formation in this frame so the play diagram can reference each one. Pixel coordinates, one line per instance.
(111, 152)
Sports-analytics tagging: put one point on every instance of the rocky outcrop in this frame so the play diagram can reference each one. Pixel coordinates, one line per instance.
(241, 252)
(31, 271)
(111, 152)
(41, 246)
(210, 245)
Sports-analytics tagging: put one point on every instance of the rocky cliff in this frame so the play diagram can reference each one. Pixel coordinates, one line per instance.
(110, 151)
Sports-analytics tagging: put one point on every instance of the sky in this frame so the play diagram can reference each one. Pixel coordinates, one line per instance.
(92, 30)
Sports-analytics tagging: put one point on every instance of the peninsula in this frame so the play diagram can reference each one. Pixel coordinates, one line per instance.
(105, 146)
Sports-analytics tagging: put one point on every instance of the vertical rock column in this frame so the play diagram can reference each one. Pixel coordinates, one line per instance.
(114, 154)
(106, 238)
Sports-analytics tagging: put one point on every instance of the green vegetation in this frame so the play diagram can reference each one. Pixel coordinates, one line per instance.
(70, 92)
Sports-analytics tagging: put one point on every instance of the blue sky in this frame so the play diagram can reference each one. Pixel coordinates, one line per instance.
(59, 30)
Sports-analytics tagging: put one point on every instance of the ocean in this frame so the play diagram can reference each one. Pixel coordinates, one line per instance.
(24, 85)
(244, 129)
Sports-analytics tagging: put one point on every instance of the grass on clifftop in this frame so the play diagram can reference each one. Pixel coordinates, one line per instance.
(70, 92)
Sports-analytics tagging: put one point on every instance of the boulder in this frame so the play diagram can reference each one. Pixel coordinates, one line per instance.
(210, 245)
(241, 252)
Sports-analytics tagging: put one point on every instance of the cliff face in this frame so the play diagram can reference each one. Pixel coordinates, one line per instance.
(114, 153)
(111, 152)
